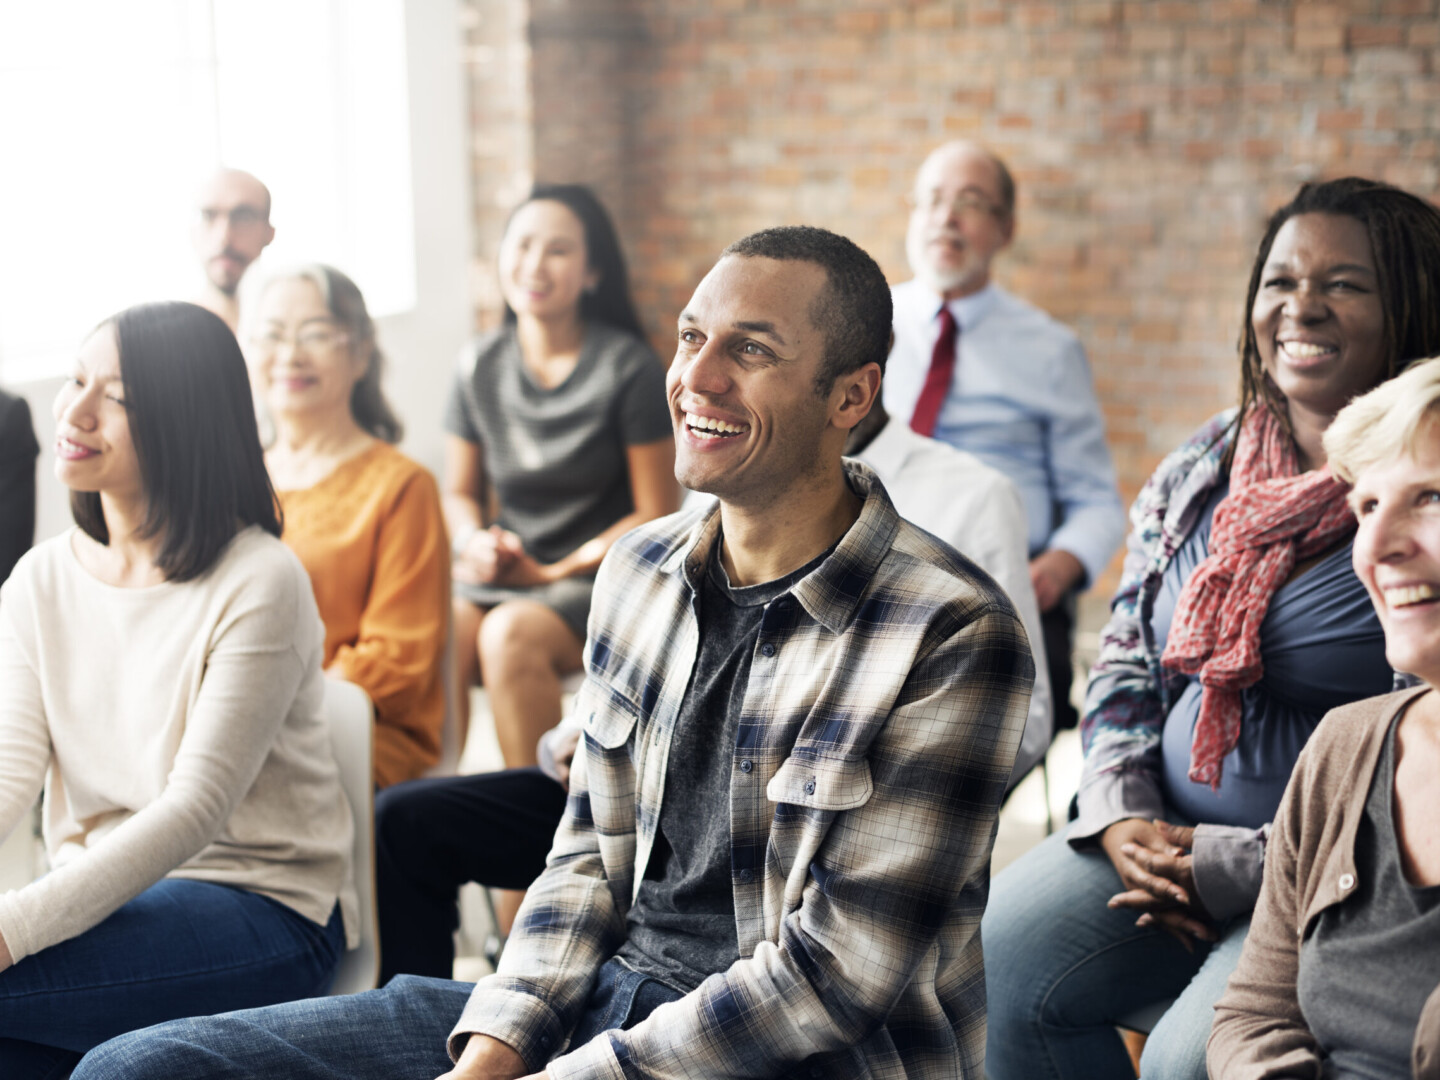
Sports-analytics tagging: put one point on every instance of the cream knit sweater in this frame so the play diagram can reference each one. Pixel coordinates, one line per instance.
(177, 731)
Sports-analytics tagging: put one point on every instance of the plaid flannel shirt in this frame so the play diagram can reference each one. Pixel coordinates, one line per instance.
(884, 708)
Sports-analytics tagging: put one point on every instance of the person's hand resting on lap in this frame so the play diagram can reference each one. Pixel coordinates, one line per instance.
(1155, 865)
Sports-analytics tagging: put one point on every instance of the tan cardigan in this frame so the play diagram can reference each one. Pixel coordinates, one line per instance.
(1309, 866)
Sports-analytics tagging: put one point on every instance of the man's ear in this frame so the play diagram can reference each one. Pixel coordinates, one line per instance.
(1007, 226)
(859, 391)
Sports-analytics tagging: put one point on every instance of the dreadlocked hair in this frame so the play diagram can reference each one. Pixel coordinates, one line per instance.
(1404, 233)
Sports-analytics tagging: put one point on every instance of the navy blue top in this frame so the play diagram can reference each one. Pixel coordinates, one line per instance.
(1322, 647)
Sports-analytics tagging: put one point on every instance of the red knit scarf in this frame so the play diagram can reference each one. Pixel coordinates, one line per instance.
(1273, 516)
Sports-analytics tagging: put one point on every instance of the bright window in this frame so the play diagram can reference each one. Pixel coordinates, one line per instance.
(111, 114)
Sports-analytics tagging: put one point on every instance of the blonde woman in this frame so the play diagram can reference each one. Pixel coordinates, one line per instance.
(1340, 975)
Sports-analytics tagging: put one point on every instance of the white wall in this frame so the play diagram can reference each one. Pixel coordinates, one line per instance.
(422, 344)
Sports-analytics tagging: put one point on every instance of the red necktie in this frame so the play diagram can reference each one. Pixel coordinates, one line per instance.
(937, 379)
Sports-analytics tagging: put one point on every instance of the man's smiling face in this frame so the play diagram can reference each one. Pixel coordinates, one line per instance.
(749, 422)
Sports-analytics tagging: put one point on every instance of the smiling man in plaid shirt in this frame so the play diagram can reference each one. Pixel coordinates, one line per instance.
(800, 715)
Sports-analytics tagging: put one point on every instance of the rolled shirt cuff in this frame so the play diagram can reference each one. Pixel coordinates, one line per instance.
(596, 1060)
(1090, 542)
(1229, 866)
(1112, 797)
(520, 1020)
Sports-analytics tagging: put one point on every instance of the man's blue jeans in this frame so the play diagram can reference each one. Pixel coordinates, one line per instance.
(177, 949)
(1061, 969)
(399, 1031)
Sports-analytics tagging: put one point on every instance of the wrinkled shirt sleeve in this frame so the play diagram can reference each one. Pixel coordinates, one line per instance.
(1125, 702)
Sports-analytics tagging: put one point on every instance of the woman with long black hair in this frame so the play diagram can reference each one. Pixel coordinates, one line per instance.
(160, 678)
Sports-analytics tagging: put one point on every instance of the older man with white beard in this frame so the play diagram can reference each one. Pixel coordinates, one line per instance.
(997, 377)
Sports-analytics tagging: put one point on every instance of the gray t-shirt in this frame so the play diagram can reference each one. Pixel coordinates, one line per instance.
(681, 928)
(1372, 961)
(556, 455)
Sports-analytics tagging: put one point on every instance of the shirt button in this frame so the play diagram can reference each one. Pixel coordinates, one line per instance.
(746, 875)
(746, 765)
(809, 787)
(1347, 882)
(768, 649)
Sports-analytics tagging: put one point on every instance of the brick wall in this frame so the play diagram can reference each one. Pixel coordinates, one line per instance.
(1149, 140)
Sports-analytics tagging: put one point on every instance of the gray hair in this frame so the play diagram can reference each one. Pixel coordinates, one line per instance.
(347, 307)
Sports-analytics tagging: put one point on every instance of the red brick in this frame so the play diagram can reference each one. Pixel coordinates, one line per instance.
(1313, 15)
(1153, 39)
(1261, 149)
(1150, 138)
(1209, 38)
(938, 17)
(1093, 14)
(1265, 37)
(1128, 122)
(1319, 37)
(1360, 35)
(859, 22)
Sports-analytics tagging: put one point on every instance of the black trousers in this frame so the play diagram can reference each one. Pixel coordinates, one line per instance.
(432, 836)
(1057, 626)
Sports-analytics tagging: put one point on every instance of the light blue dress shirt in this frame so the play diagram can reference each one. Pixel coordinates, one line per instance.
(1021, 401)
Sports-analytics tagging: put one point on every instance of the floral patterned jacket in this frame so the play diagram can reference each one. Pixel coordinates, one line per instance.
(1130, 695)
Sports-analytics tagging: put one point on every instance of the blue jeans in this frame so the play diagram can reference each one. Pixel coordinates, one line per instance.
(179, 948)
(399, 1031)
(1061, 969)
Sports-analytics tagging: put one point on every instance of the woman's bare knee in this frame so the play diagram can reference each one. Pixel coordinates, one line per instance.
(521, 635)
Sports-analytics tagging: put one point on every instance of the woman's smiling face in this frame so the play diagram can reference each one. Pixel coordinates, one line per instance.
(1318, 318)
(1397, 552)
(93, 447)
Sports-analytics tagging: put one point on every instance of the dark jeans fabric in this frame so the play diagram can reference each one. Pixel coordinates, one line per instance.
(399, 1031)
(432, 836)
(1057, 627)
(178, 949)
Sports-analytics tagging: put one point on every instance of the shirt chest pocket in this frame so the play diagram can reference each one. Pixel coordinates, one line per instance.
(610, 721)
(822, 783)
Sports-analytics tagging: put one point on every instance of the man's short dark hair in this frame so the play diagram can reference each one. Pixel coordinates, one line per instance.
(854, 309)
(192, 422)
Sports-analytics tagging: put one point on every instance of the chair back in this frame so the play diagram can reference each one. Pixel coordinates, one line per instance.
(451, 750)
(351, 720)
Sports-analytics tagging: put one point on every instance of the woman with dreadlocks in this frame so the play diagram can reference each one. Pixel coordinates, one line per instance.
(1238, 624)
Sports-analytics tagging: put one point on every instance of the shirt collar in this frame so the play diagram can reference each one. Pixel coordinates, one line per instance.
(887, 451)
(831, 591)
(968, 310)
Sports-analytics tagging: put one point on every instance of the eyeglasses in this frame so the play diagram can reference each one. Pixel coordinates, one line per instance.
(239, 217)
(970, 203)
(314, 339)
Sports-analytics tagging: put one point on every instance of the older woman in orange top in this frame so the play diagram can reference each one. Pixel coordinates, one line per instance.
(363, 518)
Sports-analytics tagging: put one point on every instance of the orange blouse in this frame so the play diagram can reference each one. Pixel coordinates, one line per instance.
(372, 539)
